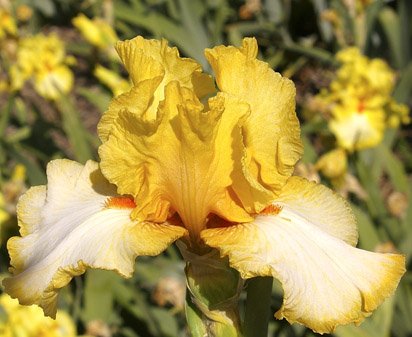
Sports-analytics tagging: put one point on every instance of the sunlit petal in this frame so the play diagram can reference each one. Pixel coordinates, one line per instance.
(146, 59)
(76, 222)
(355, 131)
(53, 83)
(271, 132)
(181, 161)
(326, 281)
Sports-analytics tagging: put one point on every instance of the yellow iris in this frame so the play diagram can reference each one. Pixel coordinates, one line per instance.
(182, 160)
(30, 322)
(42, 59)
(360, 101)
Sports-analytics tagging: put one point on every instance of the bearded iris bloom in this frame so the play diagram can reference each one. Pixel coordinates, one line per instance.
(360, 103)
(24, 321)
(43, 60)
(211, 168)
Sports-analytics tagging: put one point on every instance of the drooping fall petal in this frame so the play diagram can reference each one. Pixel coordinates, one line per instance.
(305, 241)
(75, 222)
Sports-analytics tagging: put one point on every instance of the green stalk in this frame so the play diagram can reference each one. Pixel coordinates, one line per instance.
(212, 299)
(257, 312)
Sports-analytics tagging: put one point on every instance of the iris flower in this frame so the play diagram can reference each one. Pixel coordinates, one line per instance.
(360, 101)
(24, 321)
(43, 60)
(213, 169)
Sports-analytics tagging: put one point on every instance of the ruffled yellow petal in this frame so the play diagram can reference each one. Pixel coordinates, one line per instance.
(182, 161)
(271, 133)
(136, 101)
(77, 221)
(326, 281)
(148, 59)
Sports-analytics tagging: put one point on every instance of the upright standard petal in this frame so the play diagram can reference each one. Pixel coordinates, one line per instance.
(306, 241)
(76, 221)
(152, 64)
(271, 132)
(182, 161)
(147, 59)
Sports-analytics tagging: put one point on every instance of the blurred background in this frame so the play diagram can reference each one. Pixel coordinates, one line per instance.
(351, 62)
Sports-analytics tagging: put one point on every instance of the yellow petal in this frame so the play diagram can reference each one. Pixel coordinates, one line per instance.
(51, 84)
(111, 79)
(333, 164)
(147, 59)
(182, 160)
(26, 321)
(77, 221)
(271, 132)
(97, 32)
(137, 101)
(326, 281)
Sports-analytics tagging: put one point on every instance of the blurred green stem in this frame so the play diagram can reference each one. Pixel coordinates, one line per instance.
(257, 311)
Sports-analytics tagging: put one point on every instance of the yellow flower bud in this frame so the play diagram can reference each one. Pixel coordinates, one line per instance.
(333, 164)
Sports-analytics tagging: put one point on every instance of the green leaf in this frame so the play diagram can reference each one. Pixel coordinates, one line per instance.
(378, 325)
(405, 14)
(325, 27)
(405, 245)
(99, 295)
(183, 35)
(35, 172)
(372, 12)
(5, 113)
(389, 21)
(166, 322)
(394, 168)
(99, 99)
(132, 300)
(402, 323)
(74, 129)
(369, 182)
(403, 90)
(368, 235)
(312, 52)
(191, 12)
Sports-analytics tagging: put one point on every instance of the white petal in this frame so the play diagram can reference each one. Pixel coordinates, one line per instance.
(326, 281)
(78, 222)
(320, 206)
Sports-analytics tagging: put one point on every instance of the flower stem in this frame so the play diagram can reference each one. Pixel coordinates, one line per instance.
(257, 312)
(213, 295)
